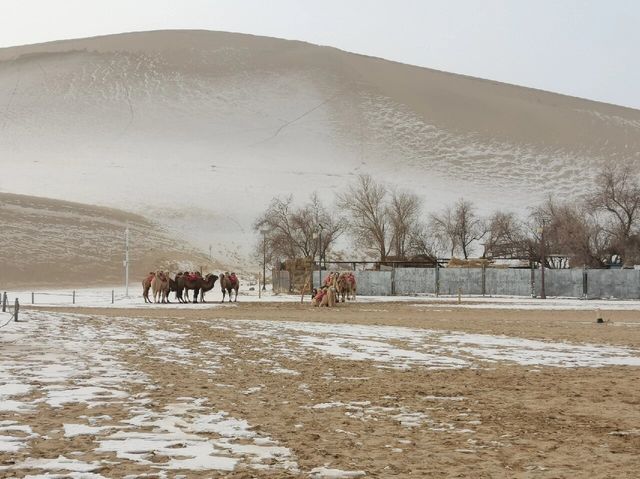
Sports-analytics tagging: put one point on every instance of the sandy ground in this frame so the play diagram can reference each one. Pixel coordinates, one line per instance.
(493, 419)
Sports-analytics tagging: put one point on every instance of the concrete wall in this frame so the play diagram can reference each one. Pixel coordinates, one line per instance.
(373, 283)
(601, 283)
(508, 282)
(467, 280)
(613, 283)
(410, 281)
(561, 282)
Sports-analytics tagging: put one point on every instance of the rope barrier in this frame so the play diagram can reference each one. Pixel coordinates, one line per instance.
(8, 320)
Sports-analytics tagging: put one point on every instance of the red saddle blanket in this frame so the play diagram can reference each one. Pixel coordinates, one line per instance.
(234, 280)
(192, 277)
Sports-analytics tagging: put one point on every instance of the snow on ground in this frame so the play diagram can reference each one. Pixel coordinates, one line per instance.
(54, 359)
(116, 297)
(79, 367)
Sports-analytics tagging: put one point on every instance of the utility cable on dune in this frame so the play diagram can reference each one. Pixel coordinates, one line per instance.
(308, 112)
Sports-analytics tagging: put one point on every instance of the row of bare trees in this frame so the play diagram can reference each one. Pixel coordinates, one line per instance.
(389, 223)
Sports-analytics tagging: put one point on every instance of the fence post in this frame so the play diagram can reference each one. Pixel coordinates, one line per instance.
(533, 281)
(16, 309)
(484, 279)
(73, 301)
(585, 290)
(112, 297)
(393, 279)
(4, 302)
(33, 298)
(437, 279)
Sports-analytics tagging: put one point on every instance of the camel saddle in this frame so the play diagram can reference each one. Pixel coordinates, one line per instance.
(233, 279)
(320, 294)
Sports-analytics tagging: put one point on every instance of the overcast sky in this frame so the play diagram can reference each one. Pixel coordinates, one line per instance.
(585, 48)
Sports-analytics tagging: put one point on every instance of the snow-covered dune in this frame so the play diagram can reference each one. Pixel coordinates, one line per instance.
(52, 242)
(198, 130)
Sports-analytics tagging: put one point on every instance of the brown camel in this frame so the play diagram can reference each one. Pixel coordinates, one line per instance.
(325, 296)
(146, 286)
(207, 284)
(228, 283)
(186, 279)
(197, 283)
(173, 286)
(346, 286)
(160, 287)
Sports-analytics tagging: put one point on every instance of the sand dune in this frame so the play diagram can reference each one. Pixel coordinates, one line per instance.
(50, 242)
(198, 130)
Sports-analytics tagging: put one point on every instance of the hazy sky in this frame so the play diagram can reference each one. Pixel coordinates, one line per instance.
(586, 48)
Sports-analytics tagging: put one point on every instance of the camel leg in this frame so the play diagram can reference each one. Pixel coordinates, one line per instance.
(236, 298)
(223, 295)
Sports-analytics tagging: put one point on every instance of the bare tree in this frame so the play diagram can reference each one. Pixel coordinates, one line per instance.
(505, 236)
(572, 232)
(422, 242)
(443, 230)
(368, 216)
(292, 232)
(618, 196)
(404, 212)
(458, 228)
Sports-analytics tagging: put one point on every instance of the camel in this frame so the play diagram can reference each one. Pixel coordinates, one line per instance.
(173, 286)
(184, 279)
(346, 286)
(197, 283)
(160, 287)
(206, 285)
(228, 283)
(146, 286)
(330, 279)
(326, 296)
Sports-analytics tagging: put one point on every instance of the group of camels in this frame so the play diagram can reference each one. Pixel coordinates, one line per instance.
(336, 287)
(161, 284)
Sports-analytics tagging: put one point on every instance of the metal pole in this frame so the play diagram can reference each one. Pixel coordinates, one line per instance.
(4, 302)
(126, 262)
(74, 296)
(264, 261)
(16, 309)
(320, 256)
(113, 294)
(543, 294)
(33, 298)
